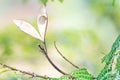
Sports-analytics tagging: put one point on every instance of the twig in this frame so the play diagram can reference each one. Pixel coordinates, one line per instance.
(64, 56)
(44, 51)
(24, 72)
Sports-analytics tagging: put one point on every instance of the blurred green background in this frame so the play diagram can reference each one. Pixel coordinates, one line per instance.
(83, 29)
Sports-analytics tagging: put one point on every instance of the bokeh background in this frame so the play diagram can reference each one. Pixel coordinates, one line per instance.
(84, 31)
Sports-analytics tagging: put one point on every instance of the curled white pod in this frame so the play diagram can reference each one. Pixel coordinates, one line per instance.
(42, 21)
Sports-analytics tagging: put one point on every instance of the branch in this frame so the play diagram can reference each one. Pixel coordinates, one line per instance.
(44, 51)
(24, 72)
(64, 57)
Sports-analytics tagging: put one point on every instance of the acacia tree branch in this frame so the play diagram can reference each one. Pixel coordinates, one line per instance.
(64, 56)
(44, 51)
(24, 72)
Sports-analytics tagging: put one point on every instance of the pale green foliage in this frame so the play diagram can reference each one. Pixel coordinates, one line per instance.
(82, 74)
(79, 74)
(111, 71)
(117, 69)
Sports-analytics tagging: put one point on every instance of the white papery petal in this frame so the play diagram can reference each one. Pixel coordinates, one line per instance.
(42, 20)
(27, 28)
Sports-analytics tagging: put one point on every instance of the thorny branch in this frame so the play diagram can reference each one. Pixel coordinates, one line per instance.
(24, 72)
(64, 56)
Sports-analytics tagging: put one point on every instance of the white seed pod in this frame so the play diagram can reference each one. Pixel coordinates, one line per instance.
(42, 21)
(27, 28)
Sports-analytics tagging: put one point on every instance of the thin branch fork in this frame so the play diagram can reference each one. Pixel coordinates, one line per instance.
(44, 51)
(24, 72)
(64, 56)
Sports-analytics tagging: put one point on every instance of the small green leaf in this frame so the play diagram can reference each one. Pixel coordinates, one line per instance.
(113, 3)
(61, 1)
(44, 1)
